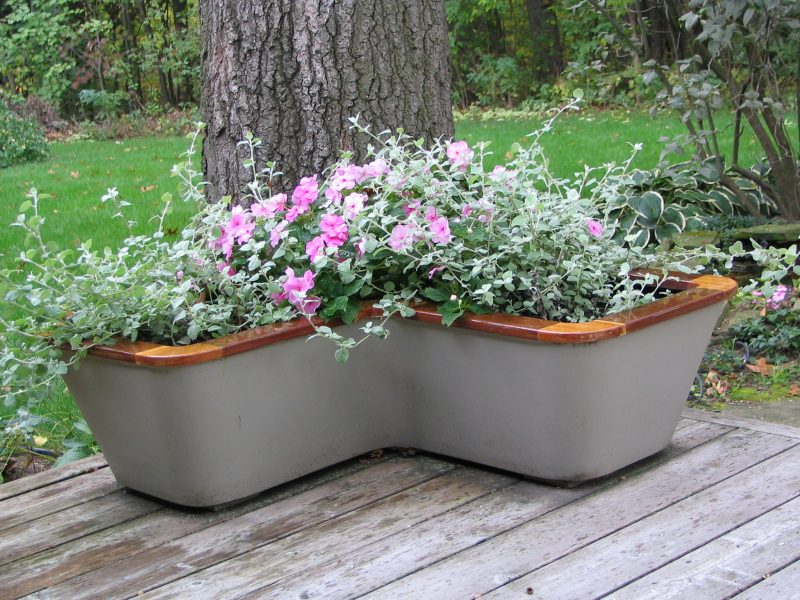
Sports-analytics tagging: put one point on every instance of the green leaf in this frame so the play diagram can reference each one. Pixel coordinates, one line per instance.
(342, 354)
(73, 454)
(450, 311)
(436, 295)
(649, 205)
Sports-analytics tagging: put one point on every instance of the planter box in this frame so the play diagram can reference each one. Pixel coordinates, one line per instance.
(215, 422)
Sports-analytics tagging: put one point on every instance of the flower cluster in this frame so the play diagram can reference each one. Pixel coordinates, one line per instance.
(414, 223)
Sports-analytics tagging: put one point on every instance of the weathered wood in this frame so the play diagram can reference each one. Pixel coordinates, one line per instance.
(55, 529)
(729, 564)
(249, 531)
(94, 551)
(40, 480)
(56, 497)
(394, 557)
(515, 553)
(323, 542)
(753, 424)
(665, 536)
(783, 585)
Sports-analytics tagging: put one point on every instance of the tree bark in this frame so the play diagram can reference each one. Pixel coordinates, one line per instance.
(292, 73)
(548, 58)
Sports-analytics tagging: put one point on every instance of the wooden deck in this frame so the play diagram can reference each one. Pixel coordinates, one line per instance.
(715, 515)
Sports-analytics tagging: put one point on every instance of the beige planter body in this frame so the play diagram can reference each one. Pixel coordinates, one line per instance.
(239, 422)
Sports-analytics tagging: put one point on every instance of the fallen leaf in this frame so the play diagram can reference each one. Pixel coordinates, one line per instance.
(794, 389)
(762, 367)
(148, 188)
(74, 174)
(39, 440)
(51, 172)
(718, 385)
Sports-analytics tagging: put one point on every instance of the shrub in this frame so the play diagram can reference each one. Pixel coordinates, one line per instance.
(21, 140)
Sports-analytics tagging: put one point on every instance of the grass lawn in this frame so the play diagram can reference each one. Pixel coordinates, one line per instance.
(79, 173)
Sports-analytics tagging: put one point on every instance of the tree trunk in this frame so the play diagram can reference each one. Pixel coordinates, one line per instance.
(545, 39)
(294, 72)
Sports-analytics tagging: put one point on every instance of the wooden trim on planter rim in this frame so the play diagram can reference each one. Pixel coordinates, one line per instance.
(694, 292)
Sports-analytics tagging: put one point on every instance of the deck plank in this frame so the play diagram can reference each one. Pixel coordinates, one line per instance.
(91, 552)
(752, 424)
(55, 529)
(51, 476)
(59, 496)
(357, 572)
(222, 541)
(325, 541)
(783, 585)
(729, 564)
(666, 535)
(508, 556)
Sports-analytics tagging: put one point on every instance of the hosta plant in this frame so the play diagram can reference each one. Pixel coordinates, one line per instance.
(411, 223)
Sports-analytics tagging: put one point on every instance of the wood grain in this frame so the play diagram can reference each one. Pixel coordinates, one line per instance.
(782, 585)
(225, 540)
(51, 476)
(660, 538)
(508, 556)
(731, 563)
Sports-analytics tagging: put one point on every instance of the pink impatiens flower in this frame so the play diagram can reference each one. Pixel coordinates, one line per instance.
(302, 197)
(401, 237)
(361, 247)
(459, 155)
(411, 208)
(334, 230)
(275, 234)
(440, 229)
(434, 271)
(269, 208)
(353, 205)
(431, 215)
(294, 290)
(595, 228)
(315, 248)
(376, 168)
(344, 178)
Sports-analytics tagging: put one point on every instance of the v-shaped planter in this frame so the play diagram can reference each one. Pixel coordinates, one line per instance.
(215, 422)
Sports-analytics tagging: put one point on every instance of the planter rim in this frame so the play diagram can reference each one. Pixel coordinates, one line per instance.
(693, 293)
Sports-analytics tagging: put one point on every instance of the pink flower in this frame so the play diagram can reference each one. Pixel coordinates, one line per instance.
(411, 208)
(501, 174)
(594, 227)
(459, 155)
(361, 247)
(302, 197)
(269, 208)
(434, 271)
(294, 290)
(353, 205)
(225, 268)
(466, 210)
(275, 234)
(778, 296)
(334, 230)
(179, 275)
(430, 214)
(441, 231)
(344, 178)
(376, 168)
(315, 248)
(401, 237)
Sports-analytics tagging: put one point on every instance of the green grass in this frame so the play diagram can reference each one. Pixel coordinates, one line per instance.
(77, 175)
(593, 138)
